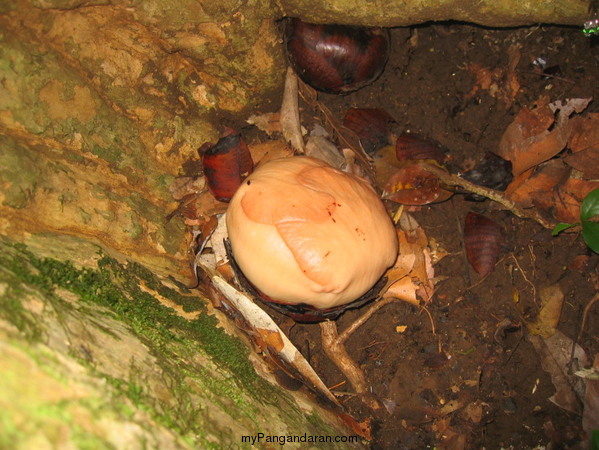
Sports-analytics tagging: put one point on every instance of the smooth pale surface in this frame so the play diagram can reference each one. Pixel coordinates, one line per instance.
(303, 232)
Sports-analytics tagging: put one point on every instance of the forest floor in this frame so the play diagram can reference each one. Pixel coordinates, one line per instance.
(476, 379)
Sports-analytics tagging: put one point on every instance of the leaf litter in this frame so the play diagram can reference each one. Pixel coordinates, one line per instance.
(553, 149)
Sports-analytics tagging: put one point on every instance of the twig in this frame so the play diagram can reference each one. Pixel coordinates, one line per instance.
(534, 289)
(378, 304)
(547, 75)
(453, 180)
(585, 314)
(337, 353)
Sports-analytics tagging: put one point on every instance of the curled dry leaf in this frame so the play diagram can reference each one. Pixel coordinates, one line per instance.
(225, 166)
(552, 300)
(585, 133)
(482, 241)
(410, 278)
(371, 125)
(411, 184)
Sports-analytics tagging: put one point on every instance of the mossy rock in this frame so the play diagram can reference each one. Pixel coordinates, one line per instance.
(107, 355)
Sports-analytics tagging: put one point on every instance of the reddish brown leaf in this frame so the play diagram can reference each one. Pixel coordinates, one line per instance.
(371, 125)
(501, 82)
(586, 161)
(413, 185)
(569, 196)
(482, 240)
(412, 146)
(362, 429)
(585, 133)
(225, 165)
(528, 188)
(537, 135)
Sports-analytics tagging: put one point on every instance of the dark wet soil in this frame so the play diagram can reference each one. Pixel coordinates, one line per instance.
(473, 381)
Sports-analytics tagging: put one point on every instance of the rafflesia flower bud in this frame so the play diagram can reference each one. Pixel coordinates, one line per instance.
(303, 232)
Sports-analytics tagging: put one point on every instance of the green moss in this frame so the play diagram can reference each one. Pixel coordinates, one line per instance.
(139, 309)
(192, 369)
(13, 311)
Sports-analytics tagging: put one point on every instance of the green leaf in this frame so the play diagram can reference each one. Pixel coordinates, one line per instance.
(561, 227)
(590, 227)
(590, 234)
(590, 205)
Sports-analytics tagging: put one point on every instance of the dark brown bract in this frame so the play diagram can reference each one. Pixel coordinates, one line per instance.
(336, 59)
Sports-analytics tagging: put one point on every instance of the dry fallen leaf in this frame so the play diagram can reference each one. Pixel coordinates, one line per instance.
(536, 135)
(590, 415)
(265, 151)
(267, 122)
(411, 276)
(552, 299)
(501, 82)
(554, 353)
(551, 189)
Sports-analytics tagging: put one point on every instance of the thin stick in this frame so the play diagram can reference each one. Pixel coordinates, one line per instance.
(453, 180)
(378, 304)
(534, 289)
(585, 314)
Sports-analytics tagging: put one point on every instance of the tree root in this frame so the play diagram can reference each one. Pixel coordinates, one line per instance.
(337, 353)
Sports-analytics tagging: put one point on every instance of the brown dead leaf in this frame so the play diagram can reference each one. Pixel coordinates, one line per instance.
(184, 186)
(590, 415)
(265, 151)
(270, 339)
(586, 162)
(202, 206)
(552, 190)
(411, 275)
(585, 133)
(474, 411)
(569, 196)
(502, 82)
(554, 353)
(362, 429)
(536, 135)
(529, 187)
(267, 122)
(403, 289)
(552, 300)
